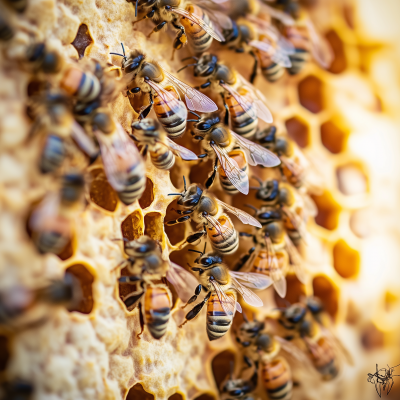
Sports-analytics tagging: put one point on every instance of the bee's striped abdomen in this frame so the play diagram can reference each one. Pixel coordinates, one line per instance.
(218, 322)
(157, 310)
(277, 379)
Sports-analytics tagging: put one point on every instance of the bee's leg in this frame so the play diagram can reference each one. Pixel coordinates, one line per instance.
(133, 279)
(194, 297)
(157, 28)
(195, 310)
(243, 260)
(180, 40)
(226, 118)
(141, 320)
(183, 212)
(248, 361)
(289, 327)
(143, 152)
(144, 113)
(211, 178)
(148, 15)
(254, 73)
(178, 221)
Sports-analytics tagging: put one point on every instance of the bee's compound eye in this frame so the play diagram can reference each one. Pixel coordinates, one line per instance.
(206, 261)
(198, 137)
(203, 126)
(131, 67)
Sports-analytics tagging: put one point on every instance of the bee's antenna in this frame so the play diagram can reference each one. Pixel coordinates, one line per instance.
(257, 179)
(189, 58)
(205, 245)
(184, 182)
(195, 251)
(185, 66)
(123, 49)
(174, 194)
(252, 207)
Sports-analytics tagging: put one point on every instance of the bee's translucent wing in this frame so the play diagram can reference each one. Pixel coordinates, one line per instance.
(295, 221)
(296, 260)
(195, 100)
(286, 19)
(222, 230)
(243, 216)
(293, 350)
(119, 155)
(277, 274)
(320, 47)
(236, 176)
(83, 140)
(198, 21)
(256, 154)
(176, 105)
(248, 296)
(183, 281)
(252, 280)
(181, 151)
(47, 209)
(228, 303)
(262, 46)
(281, 58)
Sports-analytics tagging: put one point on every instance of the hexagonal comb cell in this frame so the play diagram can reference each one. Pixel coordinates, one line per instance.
(298, 130)
(138, 393)
(221, 366)
(325, 289)
(175, 396)
(175, 233)
(360, 222)
(86, 281)
(351, 179)
(311, 94)
(148, 195)
(101, 192)
(132, 227)
(328, 211)
(295, 290)
(339, 63)
(333, 137)
(346, 260)
(153, 226)
(205, 397)
(82, 40)
(4, 352)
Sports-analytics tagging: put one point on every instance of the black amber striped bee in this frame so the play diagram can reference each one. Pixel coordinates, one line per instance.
(154, 300)
(222, 286)
(162, 149)
(205, 209)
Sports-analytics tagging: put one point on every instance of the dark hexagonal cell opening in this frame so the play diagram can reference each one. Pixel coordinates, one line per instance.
(221, 366)
(86, 280)
(328, 211)
(298, 131)
(346, 260)
(148, 195)
(133, 226)
(205, 397)
(82, 40)
(175, 233)
(311, 94)
(295, 290)
(352, 179)
(153, 226)
(328, 292)
(339, 63)
(101, 192)
(138, 393)
(333, 137)
(175, 396)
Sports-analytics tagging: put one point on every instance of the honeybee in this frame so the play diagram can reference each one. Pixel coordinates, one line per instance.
(145, 264)
(147, 77)
(6, 32)
(17, 300)
(192, 22)
(205, 209)
(295, 167)
(218, 142)
(52, 221)
(262, 40)
(222, 286)
(296, 208)
(273, 251)
(162, 149)
(244, 104)
(239, 389)
(123, 164)
(325, 351)
(261, 347)
(306, 40)
(18, 5)
(54, 118)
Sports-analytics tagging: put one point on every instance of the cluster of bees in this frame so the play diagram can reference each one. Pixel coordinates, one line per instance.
(72, 119)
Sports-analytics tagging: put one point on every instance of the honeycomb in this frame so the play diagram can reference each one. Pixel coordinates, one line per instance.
(344, 119)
